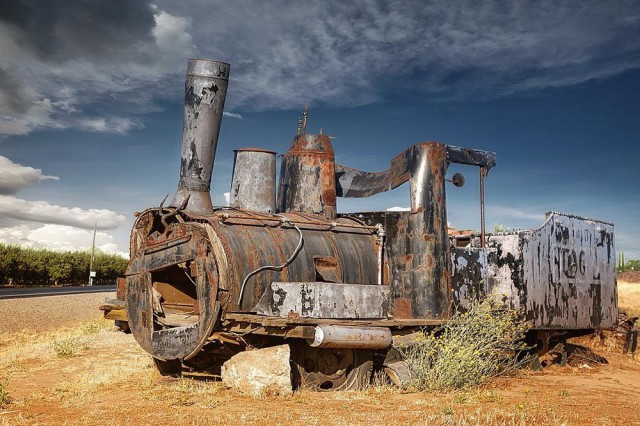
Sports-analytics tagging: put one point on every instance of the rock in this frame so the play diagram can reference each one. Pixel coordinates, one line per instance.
(260, 372)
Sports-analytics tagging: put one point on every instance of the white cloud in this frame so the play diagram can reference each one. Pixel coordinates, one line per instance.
(112, 125)
(227, 198)
(14, 177)
(43, 212)
(58, 237)
(502, 212)
(171, 33)
(233, 115)
(398, 209)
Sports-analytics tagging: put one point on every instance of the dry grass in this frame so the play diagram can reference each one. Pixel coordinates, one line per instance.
(20, 347)
(110, 380)
(629, 298)
(472, 348)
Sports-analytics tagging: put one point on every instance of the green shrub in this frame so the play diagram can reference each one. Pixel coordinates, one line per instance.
(64, 348)
(485, 341)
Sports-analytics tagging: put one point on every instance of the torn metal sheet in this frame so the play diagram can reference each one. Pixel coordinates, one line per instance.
(353, 183)
(171, 342)
(324, 300)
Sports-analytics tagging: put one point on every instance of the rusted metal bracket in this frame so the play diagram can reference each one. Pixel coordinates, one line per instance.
(353, 183)
(172, 212)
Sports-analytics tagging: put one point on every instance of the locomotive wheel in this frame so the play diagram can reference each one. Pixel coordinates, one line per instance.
(172, 367)
(329, 369)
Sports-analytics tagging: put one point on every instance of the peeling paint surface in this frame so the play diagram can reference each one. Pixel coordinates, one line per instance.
(324, 300)
(562, 274)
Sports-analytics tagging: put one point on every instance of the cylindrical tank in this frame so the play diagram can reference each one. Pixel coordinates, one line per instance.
(253, 183)
(308, 177)
(205, 93)
(180, 281)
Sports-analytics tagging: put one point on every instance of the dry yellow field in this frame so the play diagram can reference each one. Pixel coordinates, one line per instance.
(629, 297)
(89, 374)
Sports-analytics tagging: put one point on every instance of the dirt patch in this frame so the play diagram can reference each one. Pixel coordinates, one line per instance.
(630, 277)
(109, 380)
(104, 377)
(49, 312)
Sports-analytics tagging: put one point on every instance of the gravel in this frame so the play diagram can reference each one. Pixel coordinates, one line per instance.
(49, 312)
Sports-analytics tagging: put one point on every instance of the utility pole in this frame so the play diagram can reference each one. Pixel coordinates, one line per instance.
(92, 273)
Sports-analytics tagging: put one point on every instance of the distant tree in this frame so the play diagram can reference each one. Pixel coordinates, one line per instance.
(633, 265)
(21, 265)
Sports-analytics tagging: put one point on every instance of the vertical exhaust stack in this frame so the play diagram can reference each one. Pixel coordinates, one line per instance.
(205, 92)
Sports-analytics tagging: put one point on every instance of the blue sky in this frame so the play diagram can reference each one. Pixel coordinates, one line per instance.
(91, 103)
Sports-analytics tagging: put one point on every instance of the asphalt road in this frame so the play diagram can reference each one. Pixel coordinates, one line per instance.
(16, 293)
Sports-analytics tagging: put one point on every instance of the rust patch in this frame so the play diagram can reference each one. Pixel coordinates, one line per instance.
(402, 308)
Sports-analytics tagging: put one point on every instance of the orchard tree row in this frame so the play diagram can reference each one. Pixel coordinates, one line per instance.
(28, 266)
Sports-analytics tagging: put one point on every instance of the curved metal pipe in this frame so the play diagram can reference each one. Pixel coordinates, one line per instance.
(272, 267)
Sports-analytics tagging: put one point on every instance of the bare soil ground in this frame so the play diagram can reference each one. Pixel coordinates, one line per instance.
(49, 312)
(89, 374)
(630, 277)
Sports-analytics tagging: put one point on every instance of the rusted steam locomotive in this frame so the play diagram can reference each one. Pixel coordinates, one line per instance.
(205, 282)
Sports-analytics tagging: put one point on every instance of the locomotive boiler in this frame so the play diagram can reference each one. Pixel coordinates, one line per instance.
(281, 265)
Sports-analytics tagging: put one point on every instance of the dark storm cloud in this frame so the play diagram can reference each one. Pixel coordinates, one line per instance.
(86, 64)
(118, 58)
(12, 93)
(63, 29)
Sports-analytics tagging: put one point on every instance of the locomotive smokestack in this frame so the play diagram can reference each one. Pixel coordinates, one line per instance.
(205, 91)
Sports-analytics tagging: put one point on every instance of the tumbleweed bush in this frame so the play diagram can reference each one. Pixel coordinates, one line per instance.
(484, 342)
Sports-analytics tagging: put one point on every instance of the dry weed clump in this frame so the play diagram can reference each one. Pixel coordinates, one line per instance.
(4, 395)
(18, 347)
(484, 342)
(64, 348)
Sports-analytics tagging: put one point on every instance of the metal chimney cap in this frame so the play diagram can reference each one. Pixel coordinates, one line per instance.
(208, 68)
(249, 149)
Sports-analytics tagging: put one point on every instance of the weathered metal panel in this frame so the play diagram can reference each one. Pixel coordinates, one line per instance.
(504, 271)
(324, 300)
(575, 260)
(468, 276)
(417, 241)
(253, 183)
(253, 240)
(562, 274)
(307, 177)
